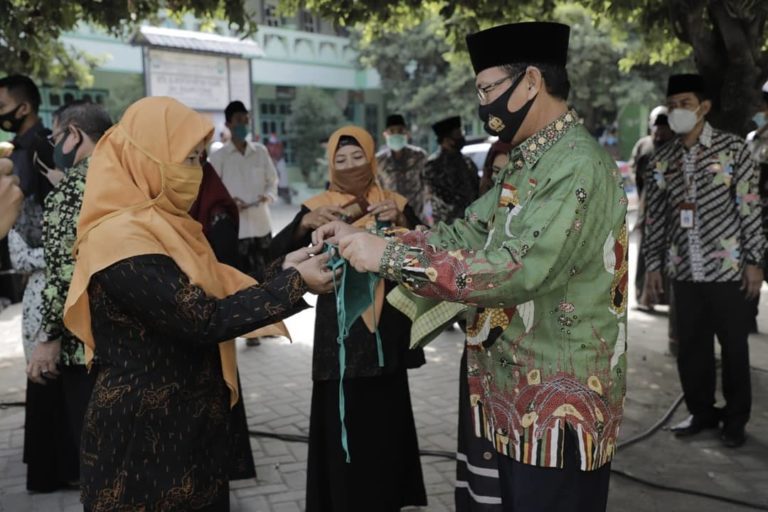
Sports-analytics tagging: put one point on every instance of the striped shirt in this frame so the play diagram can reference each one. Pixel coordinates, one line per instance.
(715, 185)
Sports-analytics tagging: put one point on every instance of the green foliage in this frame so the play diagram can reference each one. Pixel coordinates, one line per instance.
(424, 77)
(315, 116)
(130, 90)
(725, 38)
(420, 75)
(30, 30)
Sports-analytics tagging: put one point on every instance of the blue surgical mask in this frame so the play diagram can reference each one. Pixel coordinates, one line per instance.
(240, 132)
(760, 119)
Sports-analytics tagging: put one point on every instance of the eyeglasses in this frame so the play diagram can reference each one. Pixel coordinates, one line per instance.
(53, 138)
(482, 92)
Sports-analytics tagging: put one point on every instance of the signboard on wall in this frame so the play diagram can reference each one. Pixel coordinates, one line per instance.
(202, 82)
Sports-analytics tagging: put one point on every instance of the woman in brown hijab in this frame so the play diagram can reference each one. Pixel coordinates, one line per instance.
(150, 301)
(384, 472)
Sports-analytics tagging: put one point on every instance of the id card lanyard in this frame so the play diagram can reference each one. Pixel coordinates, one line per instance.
(688, 207)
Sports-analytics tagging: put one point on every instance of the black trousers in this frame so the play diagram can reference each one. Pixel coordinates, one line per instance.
(526, 488)
(706, 310)
(77, 384)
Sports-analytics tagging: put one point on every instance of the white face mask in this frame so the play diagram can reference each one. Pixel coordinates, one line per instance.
(682, 121)
(396, 141)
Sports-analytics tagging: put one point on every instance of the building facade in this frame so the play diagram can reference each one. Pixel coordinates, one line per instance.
(208, 70)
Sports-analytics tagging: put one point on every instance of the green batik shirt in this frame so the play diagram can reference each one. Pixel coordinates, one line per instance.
(62, 211)
(541, 259)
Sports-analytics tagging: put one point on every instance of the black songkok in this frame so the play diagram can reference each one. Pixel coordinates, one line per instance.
(679, 84)
(530, 42)
(446, 126)
(395, 120)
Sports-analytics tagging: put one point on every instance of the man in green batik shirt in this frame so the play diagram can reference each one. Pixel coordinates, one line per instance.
(541, 262)
(77, 129)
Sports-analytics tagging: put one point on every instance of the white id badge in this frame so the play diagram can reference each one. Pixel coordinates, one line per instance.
(687, 212)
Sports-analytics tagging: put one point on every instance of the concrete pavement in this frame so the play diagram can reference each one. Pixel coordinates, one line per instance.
(276, 385)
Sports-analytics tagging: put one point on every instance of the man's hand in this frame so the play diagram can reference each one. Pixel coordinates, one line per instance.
(42, 364)
(320, 217)
(335, 230)
(654, 286)
(386, 211)
(316, 274)
(752, 280)
(52, 174)
(363, 251)
(11, 199)
(240, 204)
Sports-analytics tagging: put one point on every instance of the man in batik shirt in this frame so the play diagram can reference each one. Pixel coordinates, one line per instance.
(77, 130)
(401, 165)
(541, 262)
(703, 213)
(451, 176)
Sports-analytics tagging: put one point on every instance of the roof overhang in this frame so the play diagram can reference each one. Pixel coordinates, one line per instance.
(199, 42)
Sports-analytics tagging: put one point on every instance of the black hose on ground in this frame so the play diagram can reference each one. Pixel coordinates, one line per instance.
(299, 438)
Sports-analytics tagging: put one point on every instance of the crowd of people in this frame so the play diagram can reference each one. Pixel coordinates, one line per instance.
(145, 256)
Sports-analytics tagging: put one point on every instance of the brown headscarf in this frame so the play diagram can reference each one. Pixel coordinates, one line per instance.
(368, 188)
(136, 200)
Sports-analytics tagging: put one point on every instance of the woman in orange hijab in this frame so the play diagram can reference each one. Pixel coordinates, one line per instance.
(150, 301)
(384, 472)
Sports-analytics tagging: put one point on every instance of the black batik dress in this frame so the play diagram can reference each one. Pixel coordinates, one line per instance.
(385, 470)
(157, 426)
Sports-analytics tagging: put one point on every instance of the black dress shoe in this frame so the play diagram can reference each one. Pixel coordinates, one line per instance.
(733, 437)
(252, 342)
(692, 425)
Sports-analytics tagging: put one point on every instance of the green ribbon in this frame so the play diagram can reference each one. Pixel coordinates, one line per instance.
(351, 302)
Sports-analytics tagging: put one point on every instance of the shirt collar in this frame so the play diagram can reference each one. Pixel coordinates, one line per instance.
(534, 147)
(81, 167)
(26, 140)
(233, 148)
(706, 135)
(705, 138)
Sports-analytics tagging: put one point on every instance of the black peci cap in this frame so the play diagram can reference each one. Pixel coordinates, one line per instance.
(395, 120)
(539, 42)
(446, 126)
(679, 84)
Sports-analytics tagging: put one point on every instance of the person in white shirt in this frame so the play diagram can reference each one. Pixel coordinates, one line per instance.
(248, 173)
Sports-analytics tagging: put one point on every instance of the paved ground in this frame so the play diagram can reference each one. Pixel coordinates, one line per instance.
(276, 383)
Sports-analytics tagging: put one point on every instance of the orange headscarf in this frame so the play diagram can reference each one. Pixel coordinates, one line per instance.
(136, 200)
(374, 194)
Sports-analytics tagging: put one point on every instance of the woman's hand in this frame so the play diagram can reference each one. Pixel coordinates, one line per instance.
(296, 257)
(316, 274)
(320, 217)
(387, 211)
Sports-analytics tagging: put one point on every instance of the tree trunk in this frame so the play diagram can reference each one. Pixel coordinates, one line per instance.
(727, 49)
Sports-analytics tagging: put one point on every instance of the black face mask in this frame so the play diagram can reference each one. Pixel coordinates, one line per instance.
(9, 122)
(62, 160)
(459, 143)
(499, 121)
